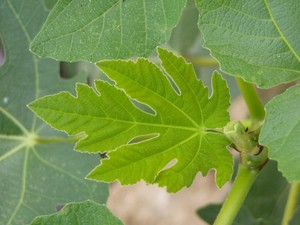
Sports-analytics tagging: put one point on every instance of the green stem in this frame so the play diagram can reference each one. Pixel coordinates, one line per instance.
(240, 188)
(252, 99)
(204, 61)
(292, 202)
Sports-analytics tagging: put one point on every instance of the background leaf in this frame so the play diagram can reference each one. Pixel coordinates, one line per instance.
(177, 130)
(50, 3)
(209, 213)
(281, 130)
(256, 40)
(82, 213)
(187, 40)
(38, 169)
(264, 204)
(296, 218)
(95, 30)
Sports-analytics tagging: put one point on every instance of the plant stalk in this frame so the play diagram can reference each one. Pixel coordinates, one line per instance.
(291, 204)
(255, 106)
(203, 61)
(240, 188)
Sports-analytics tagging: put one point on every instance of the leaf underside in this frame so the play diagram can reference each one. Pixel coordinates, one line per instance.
(176, 133)
(106, 29)
(34, 178)
(256, 40)
(81, 213)
(281, 132)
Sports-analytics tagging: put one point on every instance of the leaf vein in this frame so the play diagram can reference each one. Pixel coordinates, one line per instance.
(23, 190)
(280, 32)
(77, 29)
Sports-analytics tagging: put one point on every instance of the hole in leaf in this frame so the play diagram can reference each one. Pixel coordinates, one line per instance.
(142, 138)
(2, 53)
(145, 108)
(173, 84)
(68, 70)
(170, 164)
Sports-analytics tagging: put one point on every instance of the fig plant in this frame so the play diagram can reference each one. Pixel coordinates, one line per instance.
(149, 118)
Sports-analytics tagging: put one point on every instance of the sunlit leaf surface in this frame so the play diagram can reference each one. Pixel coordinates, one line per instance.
(176, 132)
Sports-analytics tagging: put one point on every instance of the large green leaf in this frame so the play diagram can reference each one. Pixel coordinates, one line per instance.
(264, 204)
(256, 40)
(82, 213)
(38, 169)
(177, 131)
(281, 130)
(106, 29)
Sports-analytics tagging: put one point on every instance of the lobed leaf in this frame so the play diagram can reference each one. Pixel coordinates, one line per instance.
(81, 213)
(36, 176)
(281, 130)
(256, 40)
(106, 29)
(177, 130)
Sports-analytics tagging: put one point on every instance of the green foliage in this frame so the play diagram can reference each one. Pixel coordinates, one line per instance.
(154, 123)
(82, 213)
(50, 3)
(114, 29)
(177, 130)
(281, 130)
(256, 40)
(296, 218)
(38, 169)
